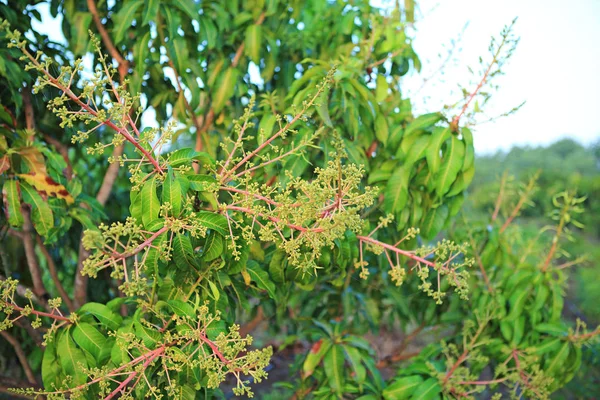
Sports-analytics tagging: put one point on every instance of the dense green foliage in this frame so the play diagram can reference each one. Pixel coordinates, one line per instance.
(213, 165)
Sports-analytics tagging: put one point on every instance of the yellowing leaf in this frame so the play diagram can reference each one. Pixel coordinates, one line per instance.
(47, 186)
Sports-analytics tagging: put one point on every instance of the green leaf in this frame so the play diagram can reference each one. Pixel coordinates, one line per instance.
(402, 388)
(277, 266)
(547, 346)
(396, 191)
(50, 367)
(261, 278)
(80, 23)
(41, 213)
(517, 302)
(224, 88)
(183, 253)
(434, 221)
(451, 166)
(199, 183)
(439, 136)
(182, 309)
(214, 221)
(89, 339)
(355, 359)
(557, 329)
(267, 123)
(559, 359)
(187, 155)
(150, 203)
(124, 19)
(72, 359)
(172, 192)
(417, 150)
(149, 337)
(187, 6)
(333, 363)
(10, 192)
(422, 122)
(428, 390)
(253, 41)
(178, 52)
(105, 315)
(469, 148)
(381, 129)
(150, 11)
(213, 247)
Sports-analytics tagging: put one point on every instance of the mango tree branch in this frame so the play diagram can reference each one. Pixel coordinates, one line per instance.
(21, 356)
(54, 275)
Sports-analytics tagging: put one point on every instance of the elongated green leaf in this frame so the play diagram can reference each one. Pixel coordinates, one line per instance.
(199, 183)
(72, 359)
(559, 359)
(333, 363)
(381, 129)
(253, 41)
(417, 150)
(213, 247)
(183, 253)
(277, 266)
(469, 148)
(261, 277)
(150, 11)
(547, 346)
(557, 329)
(150, 203)
(517, 303)
(172, 192)
(10, 193)
(223, 89)
(149, 336)
(182, 309)
(451, 166)
(124, 18)
(396, 191)
(267, 123)
(187, 6)
(353, 356)
(428, 390)
(214, 221)
(439, 136)
(80, 23)
(50, 366)
(89, 339)
(105, 315)
(422, 122)
(402, 388)
(434, 221)
(41, 213)
(187, 155)
(178, 52)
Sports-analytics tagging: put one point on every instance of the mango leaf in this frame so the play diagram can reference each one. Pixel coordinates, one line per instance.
(178, 53)
(469, 148)
(12, 203)
(105, 315)
(89, 339)
(333, 363)
(150, 203)
(188, 6)
(41, 213)
(213, 247)
(451, 166)
(434, 221)
(47, 186)
(277, 266)
(51, 368)
(72, 359)
(402, 388)
(267, 123)
(172, 192)
(261, 278)
(187, 155)
(253, 41)
(183, 253)
(315, 355)
(381, 129)
(4, 163)
(124, 19)
(182, 309)
(353, 356)
(396, 191)
(224, 88)
(439, 136)
(80, 23)
(199, 183)
(417, 150)
(149, 337)
(422, 122)
(150, 11)
(428, 390)
(214, 221)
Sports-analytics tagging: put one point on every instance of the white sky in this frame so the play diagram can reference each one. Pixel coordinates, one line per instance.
(555, 69)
